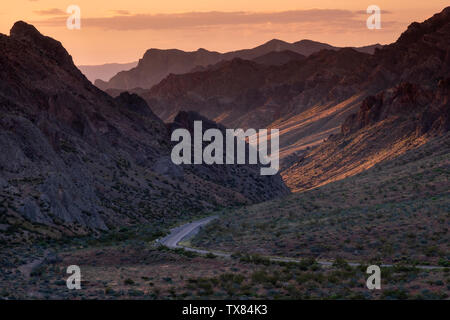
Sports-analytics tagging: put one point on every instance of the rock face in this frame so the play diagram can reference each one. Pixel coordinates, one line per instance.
(427, 109)
(74, 159)
(414, 109)
(307, 99)
(156, 64)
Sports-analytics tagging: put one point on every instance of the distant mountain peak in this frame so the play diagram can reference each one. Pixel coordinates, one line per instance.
(306, 41)
(275, 41)
(22, 29)
(416, 30)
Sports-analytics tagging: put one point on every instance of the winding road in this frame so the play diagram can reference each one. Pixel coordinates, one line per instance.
(184, 231)
(188, 230)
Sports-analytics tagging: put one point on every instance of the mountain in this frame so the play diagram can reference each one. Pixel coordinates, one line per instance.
(75, 160)
(370, 49)
(378, 189)
(393, 212)
(307, 99)
(229, 176)
(278, 58)
(273, 58)
(105, 72)
(402, 117)
(303, 47)
(157, 64)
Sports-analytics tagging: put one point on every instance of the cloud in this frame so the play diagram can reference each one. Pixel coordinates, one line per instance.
(365, 12)
(121, 12)
(50, 12)
(126, 21)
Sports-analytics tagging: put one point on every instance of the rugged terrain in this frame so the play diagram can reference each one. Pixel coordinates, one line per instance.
(86, 178)
(74, 160)
(396, 212)
(105, 71)
(309, 98)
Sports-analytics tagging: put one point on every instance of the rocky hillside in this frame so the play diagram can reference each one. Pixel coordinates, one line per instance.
(386, 126)
(75, 159)
(400, 118)
(156, 64)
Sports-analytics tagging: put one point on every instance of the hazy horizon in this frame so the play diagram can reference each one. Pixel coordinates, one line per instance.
(114, 32)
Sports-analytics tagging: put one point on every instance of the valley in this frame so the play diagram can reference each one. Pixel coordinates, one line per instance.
(87, 176)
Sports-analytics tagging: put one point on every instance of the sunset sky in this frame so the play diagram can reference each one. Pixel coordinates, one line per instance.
(121, 31)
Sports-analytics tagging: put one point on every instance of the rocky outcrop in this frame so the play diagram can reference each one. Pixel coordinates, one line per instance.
(427, 108)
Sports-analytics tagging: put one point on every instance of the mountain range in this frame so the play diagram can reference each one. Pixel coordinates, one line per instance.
(156, 64)
(75, 160)
(412, 110)
(105, 71)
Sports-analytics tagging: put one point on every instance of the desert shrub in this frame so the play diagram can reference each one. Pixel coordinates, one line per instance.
(395, 294)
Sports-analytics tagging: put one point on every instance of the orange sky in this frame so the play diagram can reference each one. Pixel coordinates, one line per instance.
(121, 31)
